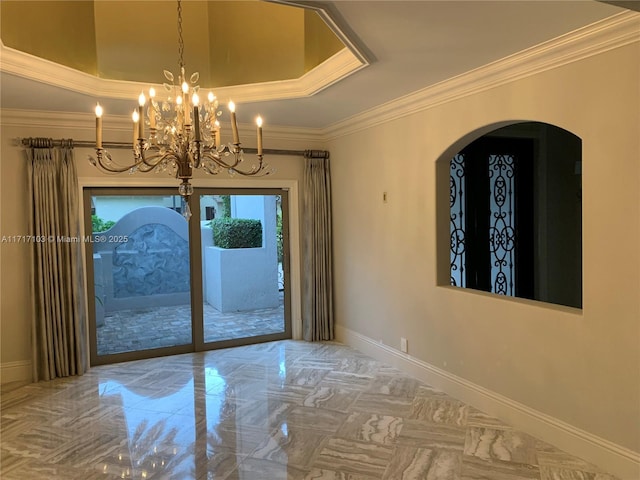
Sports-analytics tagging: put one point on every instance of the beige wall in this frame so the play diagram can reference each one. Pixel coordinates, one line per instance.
(15, 306)
(581, 367)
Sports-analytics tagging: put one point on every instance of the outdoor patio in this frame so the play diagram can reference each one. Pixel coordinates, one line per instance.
(155, 327)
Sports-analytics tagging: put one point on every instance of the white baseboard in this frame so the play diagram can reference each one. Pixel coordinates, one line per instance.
(15, 372)
(609, 456)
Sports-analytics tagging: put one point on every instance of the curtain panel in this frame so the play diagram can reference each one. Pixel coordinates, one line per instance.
(58, 319)
(317, 288)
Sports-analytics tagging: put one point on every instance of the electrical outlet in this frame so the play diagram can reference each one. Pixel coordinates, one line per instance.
(403, 345)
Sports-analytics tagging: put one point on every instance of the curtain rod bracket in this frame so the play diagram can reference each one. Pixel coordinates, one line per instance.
(316, 154)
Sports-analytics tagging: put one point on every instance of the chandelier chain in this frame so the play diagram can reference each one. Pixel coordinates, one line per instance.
(180, 40)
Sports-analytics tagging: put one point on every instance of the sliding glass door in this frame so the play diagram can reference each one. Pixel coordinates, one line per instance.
(243, 240)
(161, 285)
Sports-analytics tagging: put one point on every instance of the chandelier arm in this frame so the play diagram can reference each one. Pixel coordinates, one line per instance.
(113, 167)
(159, 159)
(255, 170)
(218, 159)
(153, 160)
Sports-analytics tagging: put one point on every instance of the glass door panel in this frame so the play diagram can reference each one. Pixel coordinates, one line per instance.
(160, 285)
(243, 267)
(141, 274)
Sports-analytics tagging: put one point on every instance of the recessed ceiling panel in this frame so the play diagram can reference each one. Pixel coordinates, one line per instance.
(228, 43)
(62, 31)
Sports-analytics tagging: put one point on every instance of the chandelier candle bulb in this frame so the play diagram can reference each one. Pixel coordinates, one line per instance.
(179, 113)
(187, 108)
(234, 125)
(136, 117)
(213, 132)
(152, 108)
(259, 123)
(98, 126)
(217, 132)
(196, 122)
(187, 112)
(196, 115)
(141, 101)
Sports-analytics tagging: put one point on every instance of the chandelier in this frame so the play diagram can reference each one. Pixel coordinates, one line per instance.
(184, 133)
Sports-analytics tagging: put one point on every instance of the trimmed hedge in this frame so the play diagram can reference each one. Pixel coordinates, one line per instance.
(236, 232)
(100, 225)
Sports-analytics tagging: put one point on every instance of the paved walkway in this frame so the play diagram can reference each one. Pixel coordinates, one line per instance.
(154, 327)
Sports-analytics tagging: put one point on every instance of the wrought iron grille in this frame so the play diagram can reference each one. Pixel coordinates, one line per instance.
(457, 219)
(502, 223)
(500, 238)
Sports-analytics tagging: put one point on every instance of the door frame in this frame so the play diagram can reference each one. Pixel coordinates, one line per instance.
(197, 295)
(133, 181)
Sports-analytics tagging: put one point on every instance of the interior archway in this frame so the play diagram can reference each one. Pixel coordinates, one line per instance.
(510, 213)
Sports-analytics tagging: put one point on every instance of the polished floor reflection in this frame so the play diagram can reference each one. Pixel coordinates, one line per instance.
(281, 410)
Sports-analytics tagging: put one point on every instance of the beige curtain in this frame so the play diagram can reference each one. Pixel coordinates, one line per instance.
(58, 323)
(317, 289)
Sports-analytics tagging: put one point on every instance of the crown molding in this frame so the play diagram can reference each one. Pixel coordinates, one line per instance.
(43, 119)
(335, 23)
(612, 32)
(122, 123)
(332, 70)
(337, 67)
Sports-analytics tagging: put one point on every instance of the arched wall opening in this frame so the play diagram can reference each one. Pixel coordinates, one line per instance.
(509, 212)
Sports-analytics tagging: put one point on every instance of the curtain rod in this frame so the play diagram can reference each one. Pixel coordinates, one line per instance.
(49, 142)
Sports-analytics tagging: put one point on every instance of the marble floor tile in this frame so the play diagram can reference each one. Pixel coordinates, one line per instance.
(354, 457)
(383, 404)
(36, 470)
(291, 445)
(396, 385)
(417, 433)
(439, 410)
(242, 440)
(410, 463)
(371, 427)
(504, 445)
(559, 473)
(256, 469)
(325, 474)
(474, 468)
(553, 458)
(219, 465)
(331, 398)
(305, 376)
(476, 418)
(327, 421)
(280, 410)
(348, 380)
(358, 365)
